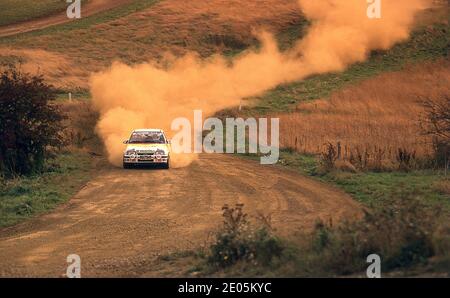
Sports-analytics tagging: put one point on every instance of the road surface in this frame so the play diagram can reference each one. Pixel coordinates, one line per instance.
(90, 8)
(123, 219)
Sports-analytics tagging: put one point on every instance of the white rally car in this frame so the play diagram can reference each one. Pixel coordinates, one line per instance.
(147, 146)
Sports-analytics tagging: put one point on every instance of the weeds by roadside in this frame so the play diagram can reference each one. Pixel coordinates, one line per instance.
(238, 241)
(377, 159)
(404, 232)
(23, 197)
(56, 144)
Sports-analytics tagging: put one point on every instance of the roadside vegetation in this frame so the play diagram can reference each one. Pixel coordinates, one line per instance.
(410, 237)
(42, 162)
(371, 188)
(24, 196)
(238, 240)
(30, 125)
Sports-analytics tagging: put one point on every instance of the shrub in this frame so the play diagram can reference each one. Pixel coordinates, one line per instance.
(29, 124)
(369, 158)
(436, 123)
(238, 241)
(80, 125)
(405, 159)
(329, 157)
(321, 236)
(401, 232)
(404, 232)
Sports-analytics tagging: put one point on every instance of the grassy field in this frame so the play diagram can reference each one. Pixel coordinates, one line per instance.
(374, 118)
(14, 11)
(87, 22)
(141, 31)
(24, 197)
(374, 188)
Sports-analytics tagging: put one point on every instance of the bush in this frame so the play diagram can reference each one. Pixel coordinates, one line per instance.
(436, 123)
(405, 159)
(369, 158)
(405, 233)
(441, 152)
(329, 156)
(237, 241)
(80, 125)
(29, 124)
(401, 232)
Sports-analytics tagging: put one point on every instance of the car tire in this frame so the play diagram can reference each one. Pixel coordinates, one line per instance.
(166, 165)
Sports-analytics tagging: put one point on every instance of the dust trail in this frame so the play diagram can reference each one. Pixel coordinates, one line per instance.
(149, 95)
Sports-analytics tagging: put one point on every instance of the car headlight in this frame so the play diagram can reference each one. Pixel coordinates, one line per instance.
(130, 152)
(160, 152)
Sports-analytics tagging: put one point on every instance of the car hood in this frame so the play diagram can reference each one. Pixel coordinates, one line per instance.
(154, 147)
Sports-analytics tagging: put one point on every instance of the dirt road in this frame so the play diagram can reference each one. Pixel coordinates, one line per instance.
(90, 8)
(124, 219)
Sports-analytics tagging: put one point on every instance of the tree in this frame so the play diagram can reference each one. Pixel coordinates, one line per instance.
(29, 123)
(437, 125)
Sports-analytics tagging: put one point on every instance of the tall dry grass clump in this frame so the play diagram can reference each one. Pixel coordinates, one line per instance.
(373, 125)
(79, 126)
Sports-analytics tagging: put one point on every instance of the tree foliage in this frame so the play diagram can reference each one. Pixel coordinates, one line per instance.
(29, 122)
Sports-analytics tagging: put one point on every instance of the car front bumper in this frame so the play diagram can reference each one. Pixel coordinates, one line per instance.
(133, 159)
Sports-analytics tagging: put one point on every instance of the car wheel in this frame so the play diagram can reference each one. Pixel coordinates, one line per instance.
(167, 165)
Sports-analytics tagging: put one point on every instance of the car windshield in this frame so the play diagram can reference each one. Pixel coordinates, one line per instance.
(149, 137)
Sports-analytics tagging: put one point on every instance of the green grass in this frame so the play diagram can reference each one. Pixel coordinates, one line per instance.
(370, 188)
(24, 197)
(14, 11)
(374, 188)
(84, 22)
(424, 44)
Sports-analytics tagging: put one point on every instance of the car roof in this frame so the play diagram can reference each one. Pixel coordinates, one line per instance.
(148, 130)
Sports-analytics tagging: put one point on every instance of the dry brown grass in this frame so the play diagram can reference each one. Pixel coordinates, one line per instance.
(57, 69)
(443, 186)
(80, 126)
(376, 118)
(437, 14)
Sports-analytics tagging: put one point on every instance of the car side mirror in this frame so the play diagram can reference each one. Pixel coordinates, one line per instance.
(125, 142)
(168, 141)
